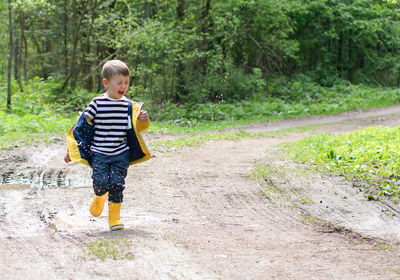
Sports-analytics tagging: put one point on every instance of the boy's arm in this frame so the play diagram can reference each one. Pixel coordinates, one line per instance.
(143, 121)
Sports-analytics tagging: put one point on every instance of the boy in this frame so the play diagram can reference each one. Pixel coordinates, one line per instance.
(106, 137)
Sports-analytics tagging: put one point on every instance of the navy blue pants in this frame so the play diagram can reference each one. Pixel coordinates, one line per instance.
(109, 174)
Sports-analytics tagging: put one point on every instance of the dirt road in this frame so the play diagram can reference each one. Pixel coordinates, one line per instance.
(195, 213)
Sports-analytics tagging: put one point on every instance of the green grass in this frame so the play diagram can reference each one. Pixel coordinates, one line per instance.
(368, 157)
(117, 249)
(302, 102)
(39, 111)
(29, 129)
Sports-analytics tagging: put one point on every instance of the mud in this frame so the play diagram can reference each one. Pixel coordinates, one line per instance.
(196, 214)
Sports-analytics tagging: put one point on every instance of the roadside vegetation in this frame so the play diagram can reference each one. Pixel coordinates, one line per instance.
(37, 115)
(369, 158)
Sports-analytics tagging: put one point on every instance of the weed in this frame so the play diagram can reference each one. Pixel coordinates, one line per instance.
(306, 200)
(171, 238)
(262, 171)
(308, 219)
(382, 245)
(119, 248)
(270, 192)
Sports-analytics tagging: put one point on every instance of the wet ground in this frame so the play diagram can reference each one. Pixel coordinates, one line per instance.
(196, 214)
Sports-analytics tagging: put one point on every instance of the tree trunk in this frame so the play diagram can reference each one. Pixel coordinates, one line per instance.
(86, 45)
(24, 45)
(65, 30)
(10, 57)
(18, 52)
(179, 69)
(205, 29)
(78, 15)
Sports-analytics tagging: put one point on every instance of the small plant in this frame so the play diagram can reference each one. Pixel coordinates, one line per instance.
(102, 249)
(308, 219)
(264, 174)
(306, 200)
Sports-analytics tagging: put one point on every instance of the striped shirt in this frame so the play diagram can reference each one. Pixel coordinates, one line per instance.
(110, 119)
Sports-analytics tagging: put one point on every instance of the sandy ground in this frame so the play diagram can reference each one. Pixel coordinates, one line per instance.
(195, 213)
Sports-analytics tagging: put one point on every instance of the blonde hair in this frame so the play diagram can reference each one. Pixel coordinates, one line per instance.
(113, 67)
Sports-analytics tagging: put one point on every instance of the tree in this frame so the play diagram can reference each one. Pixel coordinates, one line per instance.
(10, 55)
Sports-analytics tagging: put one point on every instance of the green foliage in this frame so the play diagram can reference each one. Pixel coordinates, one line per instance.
(369, 156)
(297, 99)
(215, 51)
(352, 40)
(45, 95)
(17, 129)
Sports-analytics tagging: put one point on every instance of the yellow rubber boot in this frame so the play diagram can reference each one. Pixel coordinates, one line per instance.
(114, 217)
(97, 205)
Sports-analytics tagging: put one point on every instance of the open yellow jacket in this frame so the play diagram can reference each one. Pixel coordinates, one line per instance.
(80, 136)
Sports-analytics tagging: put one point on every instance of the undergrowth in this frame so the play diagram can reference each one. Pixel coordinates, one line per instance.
(369, 158)
(40, 109)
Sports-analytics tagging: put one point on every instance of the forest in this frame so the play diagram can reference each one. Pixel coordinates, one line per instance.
(274, 139)
(195, 55)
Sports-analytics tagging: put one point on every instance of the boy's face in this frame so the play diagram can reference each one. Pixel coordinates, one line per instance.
(117, 86)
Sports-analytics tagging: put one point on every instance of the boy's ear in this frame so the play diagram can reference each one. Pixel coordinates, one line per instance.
(105, 82)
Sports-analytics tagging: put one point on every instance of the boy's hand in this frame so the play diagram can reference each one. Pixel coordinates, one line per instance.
(67, 159)
(143, 116)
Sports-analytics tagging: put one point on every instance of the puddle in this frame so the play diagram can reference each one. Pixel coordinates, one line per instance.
(50, 178)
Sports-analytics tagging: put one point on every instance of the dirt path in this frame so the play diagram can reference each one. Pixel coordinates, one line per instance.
(196, 214)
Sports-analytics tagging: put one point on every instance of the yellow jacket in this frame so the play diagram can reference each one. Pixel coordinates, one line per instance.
(80, 136)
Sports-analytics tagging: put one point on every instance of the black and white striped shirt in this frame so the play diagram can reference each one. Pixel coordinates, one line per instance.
(110, 119)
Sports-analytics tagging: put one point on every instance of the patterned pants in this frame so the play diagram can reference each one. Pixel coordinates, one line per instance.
(109, 174)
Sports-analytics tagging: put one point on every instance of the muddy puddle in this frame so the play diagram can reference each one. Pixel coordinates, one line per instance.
(11, 180)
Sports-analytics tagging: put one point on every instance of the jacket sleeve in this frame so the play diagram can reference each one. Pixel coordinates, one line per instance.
(142, 126)
(79, 139)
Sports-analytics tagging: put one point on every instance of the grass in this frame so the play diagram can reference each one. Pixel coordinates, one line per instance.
(265, 174)
(120, 248)
(367, 157)
(29, 129)
(39, 111)
(304, 101)
(308, 219)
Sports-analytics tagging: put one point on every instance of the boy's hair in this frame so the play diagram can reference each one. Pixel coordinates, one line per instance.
(113, 67)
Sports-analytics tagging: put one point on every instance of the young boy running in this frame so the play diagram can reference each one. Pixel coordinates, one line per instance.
(106, 137)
